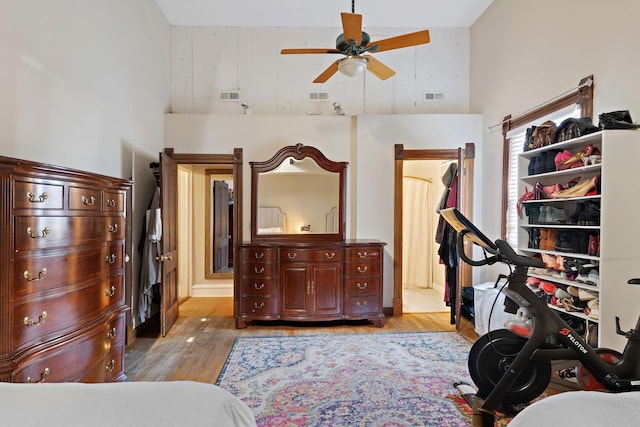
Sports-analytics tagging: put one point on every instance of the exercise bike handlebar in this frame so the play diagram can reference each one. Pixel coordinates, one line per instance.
(501, 250)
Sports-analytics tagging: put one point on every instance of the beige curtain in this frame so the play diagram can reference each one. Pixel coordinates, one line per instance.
(417, 233)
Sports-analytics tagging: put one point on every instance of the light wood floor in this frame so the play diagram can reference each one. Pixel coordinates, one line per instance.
(197, 346)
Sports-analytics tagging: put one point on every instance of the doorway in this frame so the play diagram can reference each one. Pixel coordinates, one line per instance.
(463, 156)
(171, 161)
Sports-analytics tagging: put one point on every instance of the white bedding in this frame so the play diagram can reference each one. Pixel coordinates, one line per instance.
(582, 408)
(140, 404)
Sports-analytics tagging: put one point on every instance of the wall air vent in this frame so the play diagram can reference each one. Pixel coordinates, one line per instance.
(318, 96)
(229, 95)
(433, 96)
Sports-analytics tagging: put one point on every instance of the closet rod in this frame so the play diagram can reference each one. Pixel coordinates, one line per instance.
(429, 180)
(586, 83)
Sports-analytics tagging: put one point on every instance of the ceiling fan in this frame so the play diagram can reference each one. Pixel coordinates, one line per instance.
(354, 43)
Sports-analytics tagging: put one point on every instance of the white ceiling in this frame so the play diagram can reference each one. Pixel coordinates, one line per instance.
(323, 13)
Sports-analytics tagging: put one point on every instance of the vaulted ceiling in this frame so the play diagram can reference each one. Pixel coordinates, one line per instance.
(323, 13)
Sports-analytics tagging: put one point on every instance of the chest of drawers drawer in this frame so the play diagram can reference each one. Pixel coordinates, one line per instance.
(51, 316)
(363, 286)
(258, 254)
(33, 195)
(99, 351)
(363, 254)
(259, 270)
(45, 273)
(362, 269)
(84, 199)
(310, 255)
(259, 286)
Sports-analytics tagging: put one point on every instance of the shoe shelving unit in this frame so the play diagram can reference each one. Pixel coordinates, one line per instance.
(619, 226)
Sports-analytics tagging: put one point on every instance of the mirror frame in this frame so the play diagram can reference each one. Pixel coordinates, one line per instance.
(299, 152)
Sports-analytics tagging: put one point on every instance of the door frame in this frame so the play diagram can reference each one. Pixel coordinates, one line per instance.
(465, 156)
(234, 159)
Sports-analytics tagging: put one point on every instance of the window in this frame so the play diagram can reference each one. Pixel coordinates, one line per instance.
(577, 103)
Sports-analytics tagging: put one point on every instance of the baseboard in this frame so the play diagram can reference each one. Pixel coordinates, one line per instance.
(212, 290)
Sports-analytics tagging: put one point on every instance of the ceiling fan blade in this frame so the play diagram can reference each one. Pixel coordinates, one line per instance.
(378, 68)
(326, 74)
(310, 50)
(352, 27)
(405, 40)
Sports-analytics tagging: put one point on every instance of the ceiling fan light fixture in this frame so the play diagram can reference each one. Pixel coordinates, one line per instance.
(352, 65)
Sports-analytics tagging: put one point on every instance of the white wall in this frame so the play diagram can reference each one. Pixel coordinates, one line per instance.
(366, 142)
(84, 84)
(208, 60)
(524, 53)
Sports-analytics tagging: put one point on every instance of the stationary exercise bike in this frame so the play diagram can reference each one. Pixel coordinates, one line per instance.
(513, 366)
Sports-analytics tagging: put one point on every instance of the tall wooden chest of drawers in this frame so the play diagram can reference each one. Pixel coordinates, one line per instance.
(64, 273)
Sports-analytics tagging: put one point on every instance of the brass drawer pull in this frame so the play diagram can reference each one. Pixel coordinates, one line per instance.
(111, 291)
(258, 286)
(292, 255)
(362, 254)
(329, 255)
(257, 306)
(32, 198)
(259, 255)
(258, 271)
(31, 278)
(34, 235)
(29, 321)
(112, 333)
(43, 376)
(362, 270)
(111, 202)
(112, 228)
(110, 258)
(110, 366)
(361, 304)
(88, 201)
(362, 285)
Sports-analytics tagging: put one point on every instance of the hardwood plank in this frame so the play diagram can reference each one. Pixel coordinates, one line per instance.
(197, 346)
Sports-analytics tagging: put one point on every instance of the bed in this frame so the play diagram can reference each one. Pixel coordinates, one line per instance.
(271, 220)
(140, 404)
(582, 408)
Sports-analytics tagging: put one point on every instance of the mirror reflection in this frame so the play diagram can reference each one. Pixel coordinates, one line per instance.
(298, 197)
(219, 223)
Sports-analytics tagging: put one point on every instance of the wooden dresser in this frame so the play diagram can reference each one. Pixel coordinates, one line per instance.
(63, 273)
(310, 281)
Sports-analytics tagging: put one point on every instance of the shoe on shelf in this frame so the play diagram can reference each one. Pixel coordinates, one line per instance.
(593, 278)
(586, 295)
(593, 308)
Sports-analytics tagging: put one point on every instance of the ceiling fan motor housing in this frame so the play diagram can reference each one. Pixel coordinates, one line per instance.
(343, 45)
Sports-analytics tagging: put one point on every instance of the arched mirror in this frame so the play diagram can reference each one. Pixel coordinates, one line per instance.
(298, 194)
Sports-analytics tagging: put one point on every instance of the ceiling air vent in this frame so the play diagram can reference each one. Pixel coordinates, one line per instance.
(229, 95)
(318, 96)
(434, 96)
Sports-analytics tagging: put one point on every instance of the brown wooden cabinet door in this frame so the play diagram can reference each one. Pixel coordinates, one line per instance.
(311, 289)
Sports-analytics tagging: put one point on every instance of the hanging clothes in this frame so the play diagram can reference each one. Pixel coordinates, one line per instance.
(447, 237)
(150, 268)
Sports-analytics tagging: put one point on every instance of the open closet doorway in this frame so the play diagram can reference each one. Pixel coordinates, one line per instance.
(181, 228)
(418, 189)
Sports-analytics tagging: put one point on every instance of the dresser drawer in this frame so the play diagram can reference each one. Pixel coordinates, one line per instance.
(45, 273)
(86, 357)
(53, 232)
(49, 317)
(259, 270)
(363, 254)
(253, 254)
(251, 286)
(362, 269)
(365, 286)
(310, 255)
(114, 229)
(259, 306)
(84, 199)
(361, 305)
(30, 195)
(113, 201)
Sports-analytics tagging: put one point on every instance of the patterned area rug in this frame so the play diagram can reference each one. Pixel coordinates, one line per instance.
(367, 380)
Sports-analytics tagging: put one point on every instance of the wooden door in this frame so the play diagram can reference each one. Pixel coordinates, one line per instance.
(220, 227)
(326, 292)
(169, 257)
